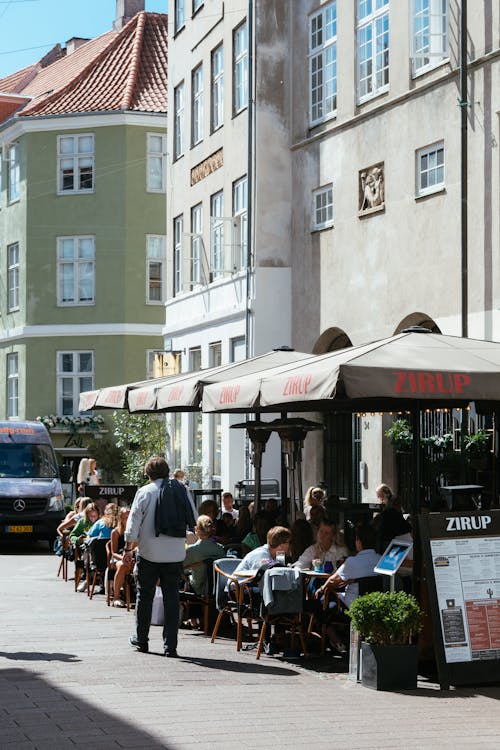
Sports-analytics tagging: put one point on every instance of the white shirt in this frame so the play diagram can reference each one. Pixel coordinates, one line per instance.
(357, 566)
(141, 528)
(334, 554)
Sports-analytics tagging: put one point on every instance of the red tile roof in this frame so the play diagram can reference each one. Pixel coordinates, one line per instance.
(124, 70)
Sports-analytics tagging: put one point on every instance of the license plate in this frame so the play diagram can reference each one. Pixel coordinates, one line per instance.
(19, 529)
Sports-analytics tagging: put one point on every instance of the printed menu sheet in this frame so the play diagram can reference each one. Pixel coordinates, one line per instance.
(467, 574)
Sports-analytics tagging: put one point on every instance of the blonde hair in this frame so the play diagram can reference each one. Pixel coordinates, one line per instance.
(83, 470)
(203, 526)
(121, 521)
(111, 515)
(88, 509)
(387, 492)
(310, 492)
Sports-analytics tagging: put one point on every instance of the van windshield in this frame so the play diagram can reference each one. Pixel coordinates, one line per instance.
(27, 461)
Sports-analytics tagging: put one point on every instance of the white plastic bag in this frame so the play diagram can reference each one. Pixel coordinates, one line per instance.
(157, 614)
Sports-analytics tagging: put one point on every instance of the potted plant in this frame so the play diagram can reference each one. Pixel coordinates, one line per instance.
(386, 622)
(400, 435)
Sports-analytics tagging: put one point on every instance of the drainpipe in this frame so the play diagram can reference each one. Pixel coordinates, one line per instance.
(463, 167)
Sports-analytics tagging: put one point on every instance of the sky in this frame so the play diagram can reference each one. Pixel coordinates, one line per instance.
(30, 28)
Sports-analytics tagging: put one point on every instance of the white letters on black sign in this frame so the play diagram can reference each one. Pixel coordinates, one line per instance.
(468, 523)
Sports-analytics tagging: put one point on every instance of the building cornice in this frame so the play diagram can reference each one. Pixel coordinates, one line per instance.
(17, 126)
(74, 331)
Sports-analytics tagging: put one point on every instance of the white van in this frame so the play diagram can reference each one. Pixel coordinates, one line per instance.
(31, 497)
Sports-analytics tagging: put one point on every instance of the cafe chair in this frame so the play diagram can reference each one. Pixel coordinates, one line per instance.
(337, 616)
(79, 565)
(109, 579)
(96, 563)
(282, 604)
(206, 601)
(230, 597)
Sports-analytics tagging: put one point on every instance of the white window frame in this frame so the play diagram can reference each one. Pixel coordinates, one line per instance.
(195, 418)
(238, 349)
(373, 23)
(13, 277)
(178, 254)
(79, 380)
(240, 67)
(197, 4)
(431, 168)
(156, 162)
(240, 213)
(78, 264)
(197, 105)
(217, 87)
(217, 234)
(12, 364)
(155, 257)
(429, 34)
(179, 15)
(323, 64)
(80, 159)
(179, 120)
(196, 243)
(322, 209)
(13, 173)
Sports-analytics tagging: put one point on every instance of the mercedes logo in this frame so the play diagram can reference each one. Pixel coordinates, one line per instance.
(19, 505)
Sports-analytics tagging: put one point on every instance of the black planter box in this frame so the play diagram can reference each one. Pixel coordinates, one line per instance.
(389, 667)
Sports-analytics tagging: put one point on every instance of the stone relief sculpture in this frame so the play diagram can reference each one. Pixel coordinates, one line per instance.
(371, 188)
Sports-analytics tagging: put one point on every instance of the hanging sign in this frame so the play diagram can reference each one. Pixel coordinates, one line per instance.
(462, 563)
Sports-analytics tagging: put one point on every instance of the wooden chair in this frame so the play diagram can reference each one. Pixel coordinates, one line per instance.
(282, 606)
(206, 601)
(79, 565)
(65, 550)
(95, 564)
(233, 597)
(109, 579)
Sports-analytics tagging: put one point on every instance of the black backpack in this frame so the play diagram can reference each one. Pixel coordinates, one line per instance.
(173, 513)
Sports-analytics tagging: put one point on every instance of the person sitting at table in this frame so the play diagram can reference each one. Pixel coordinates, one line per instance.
(314, 496)
(316, 518)
(272, 510)
(89, 516)
(243, 524)
(356, 566)
(302, 538)
(327, 549)
(225, 529)
(258, 536)
(209, 508)
(102, 528)
(278, 540)
(227, 505)
(117, 547)
(203, 549)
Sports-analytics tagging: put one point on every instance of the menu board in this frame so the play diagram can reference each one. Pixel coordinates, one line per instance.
(462, 556)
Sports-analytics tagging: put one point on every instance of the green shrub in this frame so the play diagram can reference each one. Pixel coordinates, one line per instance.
(385, 618)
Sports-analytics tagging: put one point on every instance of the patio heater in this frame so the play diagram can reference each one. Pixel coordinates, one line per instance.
(259, 433)
(292, 434)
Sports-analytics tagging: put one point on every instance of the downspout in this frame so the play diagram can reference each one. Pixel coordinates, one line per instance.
(463, 165)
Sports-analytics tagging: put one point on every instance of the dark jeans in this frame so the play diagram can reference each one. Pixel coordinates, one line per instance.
(170, 576)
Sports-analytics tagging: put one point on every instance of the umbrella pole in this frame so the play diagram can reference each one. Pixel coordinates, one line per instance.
(416, 498)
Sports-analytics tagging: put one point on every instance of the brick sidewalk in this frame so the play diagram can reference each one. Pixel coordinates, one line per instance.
(69, 679)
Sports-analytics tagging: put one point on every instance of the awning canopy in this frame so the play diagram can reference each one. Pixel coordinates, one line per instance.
(181, 392)
(408, 367)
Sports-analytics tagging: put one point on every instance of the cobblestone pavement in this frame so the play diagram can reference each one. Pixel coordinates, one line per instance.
(69, 679)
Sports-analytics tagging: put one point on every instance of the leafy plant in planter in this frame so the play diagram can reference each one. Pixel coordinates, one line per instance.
(386, 622)
(400, 435)
(477, 443)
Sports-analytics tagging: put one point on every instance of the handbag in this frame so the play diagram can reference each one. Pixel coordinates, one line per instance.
(157, 613)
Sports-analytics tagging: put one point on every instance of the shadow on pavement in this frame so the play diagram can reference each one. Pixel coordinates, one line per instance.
(238, 666)
(37, 714)
(37, 656)
(25, 547)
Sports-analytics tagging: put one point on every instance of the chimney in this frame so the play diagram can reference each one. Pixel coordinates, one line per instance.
(74, 43)
(125, 10)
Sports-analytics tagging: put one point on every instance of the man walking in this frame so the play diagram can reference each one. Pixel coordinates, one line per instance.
(158, 557)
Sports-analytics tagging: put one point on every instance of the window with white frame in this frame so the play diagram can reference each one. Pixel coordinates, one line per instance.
(178, 235)
(215, 360)
(195, 418)
(13, 179)
(180, 15)
(240, 67)
(217, 97)
(429, 20)
(238, 349)
(75, 270)
(179, 120)
(373, 47)
(217, 234)
(240, 206)
(197, 5)
(197, 105)
(13, 277)
(157, 147)
(323, 207)
(75, 159)
(12, 385)
(323, 63)
(196, 243)
(430, 169)
(75, 374)
(155, 250)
